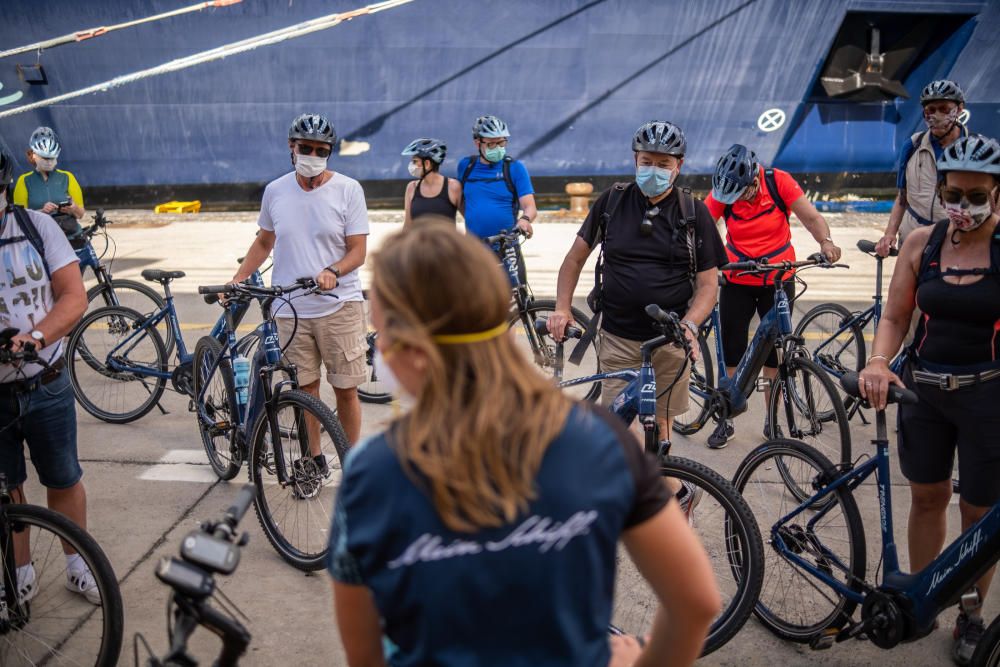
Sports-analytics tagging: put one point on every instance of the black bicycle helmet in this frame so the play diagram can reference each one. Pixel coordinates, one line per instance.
(660, 136)
(6, 172)
(943, 89)
(972, 153)
(734, 171)
(428, 149)
(312, 127)
(489, 127)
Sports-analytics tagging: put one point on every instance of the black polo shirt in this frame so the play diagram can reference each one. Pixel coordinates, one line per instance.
(640, 270)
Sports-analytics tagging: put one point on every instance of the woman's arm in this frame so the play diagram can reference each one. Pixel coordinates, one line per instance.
(816, 224)
(359, 625)
(673, 561)
(407, 198)
(455, 193)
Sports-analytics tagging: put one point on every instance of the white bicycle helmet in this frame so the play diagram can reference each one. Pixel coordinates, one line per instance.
(972, 153)
(43, 143)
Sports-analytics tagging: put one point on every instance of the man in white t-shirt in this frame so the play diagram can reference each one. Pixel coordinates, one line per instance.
(41, 297)
(316, 222)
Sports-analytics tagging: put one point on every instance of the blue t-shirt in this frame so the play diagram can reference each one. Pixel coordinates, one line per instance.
(906, 151)
(537, 591)
(489, 205)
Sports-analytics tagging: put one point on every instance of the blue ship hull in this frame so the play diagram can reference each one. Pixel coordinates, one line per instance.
(572, 78)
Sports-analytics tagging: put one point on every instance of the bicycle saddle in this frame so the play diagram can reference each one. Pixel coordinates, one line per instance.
(157, 275)
(849, 382)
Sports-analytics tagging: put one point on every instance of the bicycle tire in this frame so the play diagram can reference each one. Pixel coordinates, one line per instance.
(111, 608)
(264, 477)
(545, 354)
(843, 355)
(724, 523)
(805, 400)
(702, 379)
(768, 503)
(79, 354)
(98, 295)
(988, 650)
(372, 391)
(206, 351)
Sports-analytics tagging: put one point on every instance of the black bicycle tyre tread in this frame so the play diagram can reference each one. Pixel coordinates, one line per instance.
(113, 609)
(853, 521)
(227, 471)
(735, 506)
(146, 290)
(594, 393)
(856, 333)
(692, 427)
(797, 363)
(988, 651)
(331, 423)
(87, 404)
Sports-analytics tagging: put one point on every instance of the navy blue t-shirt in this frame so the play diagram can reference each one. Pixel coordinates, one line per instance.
(535, 592)
(489, 205)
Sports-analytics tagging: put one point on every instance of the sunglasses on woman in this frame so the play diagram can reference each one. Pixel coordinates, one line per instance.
(975, 197)
(303, 149)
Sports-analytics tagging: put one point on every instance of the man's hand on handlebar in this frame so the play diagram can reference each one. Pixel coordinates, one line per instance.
(885, 244)
(830, 250)
(693, 343)
(326, 280)
(525, 226)
(558, 321)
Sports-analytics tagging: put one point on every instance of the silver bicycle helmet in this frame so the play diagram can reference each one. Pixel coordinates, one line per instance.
(734, 171)
(943, 89)
(660, 136)
(489, 127)
(972, 153)
(428, 149)
(43, 143)
(312, 127)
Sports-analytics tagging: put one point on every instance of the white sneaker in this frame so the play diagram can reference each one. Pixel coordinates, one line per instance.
(27, 585)
(82, 582)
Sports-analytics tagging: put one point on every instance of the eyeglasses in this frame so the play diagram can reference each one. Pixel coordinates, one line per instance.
(942, 107)
(303, 149)
(494, 144)
(646, 226)
(976, 197)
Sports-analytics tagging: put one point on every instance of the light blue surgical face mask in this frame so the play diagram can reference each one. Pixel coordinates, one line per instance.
(653, 181)
(495, 154)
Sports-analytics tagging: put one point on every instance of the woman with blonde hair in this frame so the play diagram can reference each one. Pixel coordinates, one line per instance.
(481, 527)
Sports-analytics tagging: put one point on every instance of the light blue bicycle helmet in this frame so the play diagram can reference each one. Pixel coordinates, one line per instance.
(972, 153)
(43, 143)
(489, 127)
(734, 171)
(434, 150)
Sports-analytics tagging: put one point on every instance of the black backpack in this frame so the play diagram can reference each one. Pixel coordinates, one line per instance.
(30, 234)
(508, 181)
(930, 269)
(772, 188)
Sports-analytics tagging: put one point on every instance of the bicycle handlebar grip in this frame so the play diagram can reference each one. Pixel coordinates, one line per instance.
(211, 299)
(574, 332)
(214, 289)
(235, 513)
(849, 381)
(740, 266)
(542, 326)
(869, 247)
(660, 315)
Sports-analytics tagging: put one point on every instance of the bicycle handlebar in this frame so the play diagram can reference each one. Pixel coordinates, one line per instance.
(509, 235)
(241, 289)
(849, 381)
(240, 506)
(869, 248)
(29, 353)
(754, 266)
(542, 327)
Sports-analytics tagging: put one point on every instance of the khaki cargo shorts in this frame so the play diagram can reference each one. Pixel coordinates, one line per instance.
(620, 353)
(336, 341)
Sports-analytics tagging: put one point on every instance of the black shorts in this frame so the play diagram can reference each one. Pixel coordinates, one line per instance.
(966, 419)
(737, 305)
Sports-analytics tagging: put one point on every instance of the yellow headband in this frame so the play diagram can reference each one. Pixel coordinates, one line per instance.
(478, 337)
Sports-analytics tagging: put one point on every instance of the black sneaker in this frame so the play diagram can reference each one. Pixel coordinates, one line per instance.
(308, 475)
(967, 634)
(722, 434)
(778, 433)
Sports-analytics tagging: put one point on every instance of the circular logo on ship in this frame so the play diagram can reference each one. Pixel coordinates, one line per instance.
(771, 120)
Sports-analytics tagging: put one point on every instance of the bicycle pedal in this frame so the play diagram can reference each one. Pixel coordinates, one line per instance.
(824, 639)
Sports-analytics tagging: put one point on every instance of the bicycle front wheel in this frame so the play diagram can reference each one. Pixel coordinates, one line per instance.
(828, 536)
(218, 424)
(135, 295)
(116, 396)
(702, 381)
(294, 504)
(728, 531)
(54, 625)
(988, 651)
(833, 339)
(543, 349)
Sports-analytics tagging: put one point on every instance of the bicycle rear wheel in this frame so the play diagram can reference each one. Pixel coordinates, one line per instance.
(294, 505)
(117, 397)
(988, 651)
(834, 341)
(543, 349)
(219, 404)
(135, 295)
(53, 625)
(702, 380)
(729, 533)
(793, 603)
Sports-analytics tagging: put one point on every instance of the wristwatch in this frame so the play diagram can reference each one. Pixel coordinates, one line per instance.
(692, 326)
(825, 240)
(334, 270)
(524, 217)
(39, 338)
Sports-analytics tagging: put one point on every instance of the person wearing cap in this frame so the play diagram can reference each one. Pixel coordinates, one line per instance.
(47, 189)
(316, 222)
(433, 193)
(917, 203)
(951, 270)
(755, 203)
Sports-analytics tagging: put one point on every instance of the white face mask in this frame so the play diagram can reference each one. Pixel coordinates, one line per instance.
(967, 219)
(45, 163)
(309, 165)
(416, 171)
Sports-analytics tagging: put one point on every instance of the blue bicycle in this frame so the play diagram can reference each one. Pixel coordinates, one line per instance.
(803, 401)
(817, 555)
(118, 361)
(723, 521)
